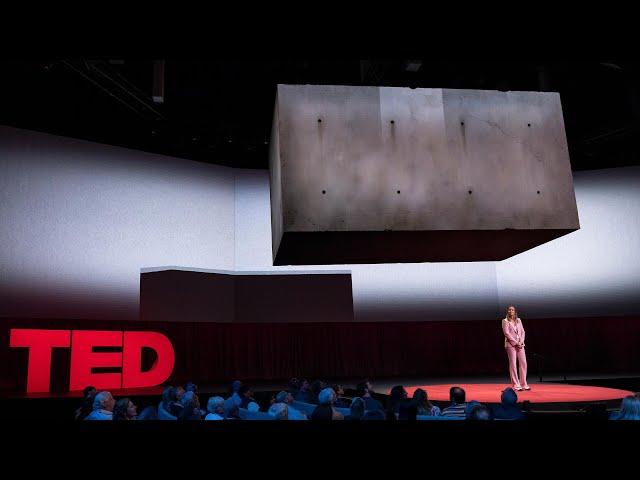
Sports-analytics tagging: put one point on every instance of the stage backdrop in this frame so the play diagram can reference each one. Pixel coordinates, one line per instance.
(79, 220)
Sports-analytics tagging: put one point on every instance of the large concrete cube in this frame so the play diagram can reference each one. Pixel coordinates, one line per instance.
(385, 174)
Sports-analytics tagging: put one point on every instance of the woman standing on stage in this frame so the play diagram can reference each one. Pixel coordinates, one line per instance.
(514, 345)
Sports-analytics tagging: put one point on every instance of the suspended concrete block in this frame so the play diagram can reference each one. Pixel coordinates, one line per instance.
(388, 175)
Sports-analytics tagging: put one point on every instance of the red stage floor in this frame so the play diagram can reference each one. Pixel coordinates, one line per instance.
(539, 393)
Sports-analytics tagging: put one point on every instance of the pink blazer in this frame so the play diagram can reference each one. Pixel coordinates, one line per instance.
(512, 335)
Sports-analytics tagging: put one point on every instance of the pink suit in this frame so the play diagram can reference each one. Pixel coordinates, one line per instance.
(514, 344)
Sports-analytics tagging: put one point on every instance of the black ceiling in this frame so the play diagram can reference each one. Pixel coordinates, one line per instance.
(221, 111)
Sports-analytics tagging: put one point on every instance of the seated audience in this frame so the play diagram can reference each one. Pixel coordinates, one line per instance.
(88, 394)
(215, 406)
(316, 387)
(407, 410)
(191, 407)
(481, 412)
(231, 411)
(103, 404)
(325, 410)
(234, 394)
(423, 405)
(170, 402)
(341, 400)
(396, 396)
(191, 387)
(356, 410)
(253, 407)
(364, 391)
(280, 411)
(124, 410)
(304, 393)
(508, 408)
(292, 413)
(468, 409)
(457, 408)
(629, 410)
(246, 396)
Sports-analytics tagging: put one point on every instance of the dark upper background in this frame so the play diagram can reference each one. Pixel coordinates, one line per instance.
(221, 111)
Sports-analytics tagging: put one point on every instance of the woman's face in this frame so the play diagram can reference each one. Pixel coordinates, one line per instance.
(511, 312)
(131, 410)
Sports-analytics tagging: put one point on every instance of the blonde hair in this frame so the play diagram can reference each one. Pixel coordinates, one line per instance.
(515, 315)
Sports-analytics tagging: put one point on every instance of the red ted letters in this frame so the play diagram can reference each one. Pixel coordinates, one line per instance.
(84, 359)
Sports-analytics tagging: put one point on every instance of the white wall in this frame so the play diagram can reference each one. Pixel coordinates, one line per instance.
(80, 219)
(593, 271)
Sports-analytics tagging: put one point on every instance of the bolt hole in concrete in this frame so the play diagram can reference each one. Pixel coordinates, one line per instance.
(528, 124)
(462, 123)
(538, 192)
(470, 192)
(324, 192)
(393, 121)
(398, 192)
(319, 120)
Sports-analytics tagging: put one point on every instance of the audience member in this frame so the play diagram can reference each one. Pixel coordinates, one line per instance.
(280, 411)
(508, 408)
(396, 396)
(287, 398)
(125, 410)
(103, 404)
(316, 387)
(253, 407)
(423, 405)
(88, 394)
(468, 409)
(341, 400)
(357, 410)
(325, 410)
(234, 393)
(246, 396)
(363, 391)
(629, 410)
(481, 412)
(407, 410)
(304, 393)
(191, 407)
(457, 408)
(215, 406)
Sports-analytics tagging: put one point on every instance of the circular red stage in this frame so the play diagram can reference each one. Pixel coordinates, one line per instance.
(539, 393)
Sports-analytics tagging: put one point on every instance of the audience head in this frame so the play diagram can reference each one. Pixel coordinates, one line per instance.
(316, 387)
(280, 411)
(421, 400)
(230, 408)
(104, 401)
(253, 407)
(190, 387)
(362, 390)
(235, 386)
(124, 410)
(481, 412)
(630, 408)
(327, 396)
(509, 396)
(245, 391)
(304, 385)
(284, 397)
(369, 385)
(294, 384)
(457, 395)
(397, 394)
(169, 394)
(179, 393)
(357, 408)
(468, 409)
(216, 405)
(339, 390)
(89, 392)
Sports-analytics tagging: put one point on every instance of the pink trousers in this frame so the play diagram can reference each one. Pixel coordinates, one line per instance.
(518, 354)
